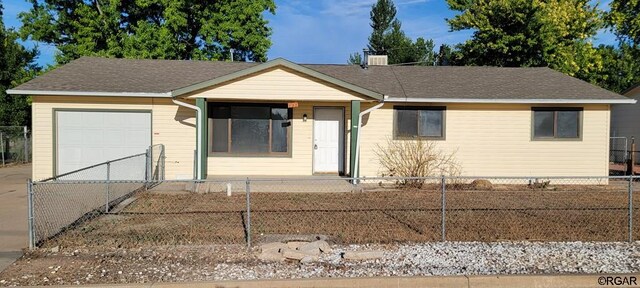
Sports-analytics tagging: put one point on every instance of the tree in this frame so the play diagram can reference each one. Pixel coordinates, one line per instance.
(621, 68)
(160, 29)
(523, 33)
(624, 19)
(355, 59)
(621, 63)
(383, 18)
(16, 67)
(388, 38)
(445, 55)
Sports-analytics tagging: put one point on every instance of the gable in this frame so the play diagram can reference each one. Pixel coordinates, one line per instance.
(278, 84)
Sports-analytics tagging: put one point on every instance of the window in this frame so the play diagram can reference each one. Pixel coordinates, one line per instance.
(419, 122)
(249, 129)
(556, 123)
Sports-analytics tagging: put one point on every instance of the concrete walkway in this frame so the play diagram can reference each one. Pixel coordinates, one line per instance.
(411, 282)
(13, 212)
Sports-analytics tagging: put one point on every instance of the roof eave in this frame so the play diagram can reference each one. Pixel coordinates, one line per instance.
(87, 93)
(512, 101)
(271, 64)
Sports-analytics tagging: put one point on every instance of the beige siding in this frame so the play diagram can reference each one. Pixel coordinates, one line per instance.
(171, 126)
(625, 118)
(300, 162)
(495, 140)
(278, 84)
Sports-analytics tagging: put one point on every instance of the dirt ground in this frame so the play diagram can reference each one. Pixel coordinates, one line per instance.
(507, 212)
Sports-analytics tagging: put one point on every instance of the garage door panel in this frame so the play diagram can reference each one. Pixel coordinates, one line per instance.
(92, 137)
(137, 137)
(69, 136)
(86, 138)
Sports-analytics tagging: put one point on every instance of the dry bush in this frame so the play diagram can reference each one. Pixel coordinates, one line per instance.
(415, 158)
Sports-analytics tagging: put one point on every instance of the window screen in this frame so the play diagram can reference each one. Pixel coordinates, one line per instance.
(551, 123)
(424, 122)
(249, 129)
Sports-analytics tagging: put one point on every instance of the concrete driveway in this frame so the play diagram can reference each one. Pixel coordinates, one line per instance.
(13, 212)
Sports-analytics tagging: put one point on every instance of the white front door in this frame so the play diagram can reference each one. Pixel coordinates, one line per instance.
(328, 140)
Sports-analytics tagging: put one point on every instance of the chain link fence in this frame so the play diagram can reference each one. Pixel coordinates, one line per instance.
(618, 150)
(63, 202)
(15, 145)
(341, 210)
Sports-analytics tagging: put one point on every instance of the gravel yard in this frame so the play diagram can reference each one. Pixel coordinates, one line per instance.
(198, 263)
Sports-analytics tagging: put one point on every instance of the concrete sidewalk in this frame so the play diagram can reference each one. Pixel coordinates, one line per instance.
(13, 212)
(410, 282)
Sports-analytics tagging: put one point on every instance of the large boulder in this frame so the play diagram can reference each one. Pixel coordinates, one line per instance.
(481, 184)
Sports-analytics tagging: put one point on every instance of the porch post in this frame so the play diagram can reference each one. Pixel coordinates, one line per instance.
(202, 125)
(355, 119)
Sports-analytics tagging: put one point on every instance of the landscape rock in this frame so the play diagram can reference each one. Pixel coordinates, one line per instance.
(481, 184)
(272, 246)
(55, 249)
(296, 254)
(296, 244)
(362, 255)
(309, 259)
(320, 245)
(271, 256)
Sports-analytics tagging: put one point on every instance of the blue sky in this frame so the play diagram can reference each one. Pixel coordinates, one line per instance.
(326, 31)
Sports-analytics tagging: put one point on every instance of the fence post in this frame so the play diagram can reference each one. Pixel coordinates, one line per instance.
(248, 192)
(26, 145)
(30, 228)
(106, 204)
(2, 147)
(632, 155)
(444, 203)
(161, 160)
(147, 164)
(630, 208)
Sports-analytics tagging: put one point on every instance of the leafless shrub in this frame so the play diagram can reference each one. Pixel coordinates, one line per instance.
(415, 158)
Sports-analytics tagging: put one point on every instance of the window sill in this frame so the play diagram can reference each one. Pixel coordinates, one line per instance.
(419, 138)
(249, 155)
(556, 139)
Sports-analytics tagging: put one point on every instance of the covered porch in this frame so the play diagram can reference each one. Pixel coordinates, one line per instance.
(278, 119)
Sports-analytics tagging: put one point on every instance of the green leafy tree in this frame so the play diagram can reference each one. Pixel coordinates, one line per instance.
(445, 55)
(553, 33)
(621, 68)
(16, 67)
(624, 18)
(162, 29)
(622, 62)
(388, 38)
(355, 59)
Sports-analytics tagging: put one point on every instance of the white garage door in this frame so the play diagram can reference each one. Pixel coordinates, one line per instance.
(85, 138)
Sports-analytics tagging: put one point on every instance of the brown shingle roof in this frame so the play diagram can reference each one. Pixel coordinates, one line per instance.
(94, 74)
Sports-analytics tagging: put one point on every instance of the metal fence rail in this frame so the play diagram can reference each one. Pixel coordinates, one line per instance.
(342, 210)
(15, 145)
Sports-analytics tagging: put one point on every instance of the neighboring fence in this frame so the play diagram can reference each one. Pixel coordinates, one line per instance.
(344, 210)
(15, 145)
(618, 150)
(65, 200)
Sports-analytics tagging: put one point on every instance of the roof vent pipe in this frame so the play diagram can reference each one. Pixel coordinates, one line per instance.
(365, 61)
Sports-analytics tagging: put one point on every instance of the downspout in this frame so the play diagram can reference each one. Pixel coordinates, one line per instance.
(198, 133)
(357, 166)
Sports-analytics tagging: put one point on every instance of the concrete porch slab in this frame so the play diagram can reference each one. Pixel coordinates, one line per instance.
(261, 183)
